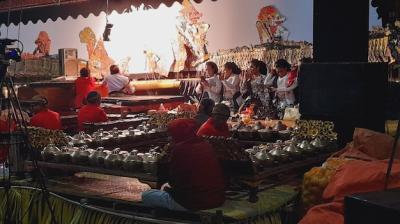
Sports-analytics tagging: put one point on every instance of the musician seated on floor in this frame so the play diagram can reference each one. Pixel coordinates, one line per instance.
(204, 112)
(92, 112)
(217, 125)
(7, 126)
(195, 179)
(117, 83)
(211, 86)
(83, 85)
(44, 117)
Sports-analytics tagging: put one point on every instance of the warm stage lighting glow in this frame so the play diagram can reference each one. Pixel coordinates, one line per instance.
(140, 30)
(133, 33)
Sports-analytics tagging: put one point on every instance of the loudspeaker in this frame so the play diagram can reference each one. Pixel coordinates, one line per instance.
(373, 208)
(69, 63)
(349, 94)
(341, 30)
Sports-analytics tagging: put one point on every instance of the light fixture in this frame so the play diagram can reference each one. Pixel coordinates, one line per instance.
(107, 29)
(107, 32)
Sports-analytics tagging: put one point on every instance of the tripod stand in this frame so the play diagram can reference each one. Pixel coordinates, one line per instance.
(6, 83)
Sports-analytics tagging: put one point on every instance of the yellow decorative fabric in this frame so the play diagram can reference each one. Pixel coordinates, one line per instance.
(265, 211)
(27, 206)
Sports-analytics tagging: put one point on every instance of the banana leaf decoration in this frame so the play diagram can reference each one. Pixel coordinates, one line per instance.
(25, 205)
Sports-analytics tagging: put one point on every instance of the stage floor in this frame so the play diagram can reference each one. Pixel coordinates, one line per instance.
(140, 104)
(142, 100)
(129, 105)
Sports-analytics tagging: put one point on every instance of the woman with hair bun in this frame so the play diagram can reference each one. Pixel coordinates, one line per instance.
(231, 83)
(256, 89)
(210, 86)
(284, 91)
(259, 89)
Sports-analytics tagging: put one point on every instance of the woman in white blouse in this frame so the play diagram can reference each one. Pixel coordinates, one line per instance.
(211, 85)
(284, 90)
(269, 79)
(231, 83)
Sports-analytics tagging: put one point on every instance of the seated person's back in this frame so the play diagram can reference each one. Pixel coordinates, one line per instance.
(83, 85)
(196, 184)
(195, 175)
(92, 112)
(117, 82)
(204, 112)
(44, 117)
(217, 124)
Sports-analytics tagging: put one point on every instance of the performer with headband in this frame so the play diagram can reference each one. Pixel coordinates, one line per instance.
(44, 117)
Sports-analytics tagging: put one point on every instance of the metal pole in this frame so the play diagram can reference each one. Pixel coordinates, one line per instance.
(390, 165)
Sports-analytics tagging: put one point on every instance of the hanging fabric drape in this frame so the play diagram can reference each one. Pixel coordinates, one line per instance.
(42, 10)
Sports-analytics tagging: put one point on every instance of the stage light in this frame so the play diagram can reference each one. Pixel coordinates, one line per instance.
(140, 30)
(107, 32)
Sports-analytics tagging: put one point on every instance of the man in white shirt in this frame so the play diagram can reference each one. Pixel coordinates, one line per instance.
(118, 83)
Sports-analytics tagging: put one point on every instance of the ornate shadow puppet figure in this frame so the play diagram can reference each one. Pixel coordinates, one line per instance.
(43, 44)
(270, 25)
(99, 61)
(191, 47)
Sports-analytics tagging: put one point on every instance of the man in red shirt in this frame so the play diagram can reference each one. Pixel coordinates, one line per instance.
(204, 112)
(196, 180)
(92, 112)
(44, 117)
(83, 85)
(217, 124)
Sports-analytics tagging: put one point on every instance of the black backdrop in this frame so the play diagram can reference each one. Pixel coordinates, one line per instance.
(349, 94)
(341, 30)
